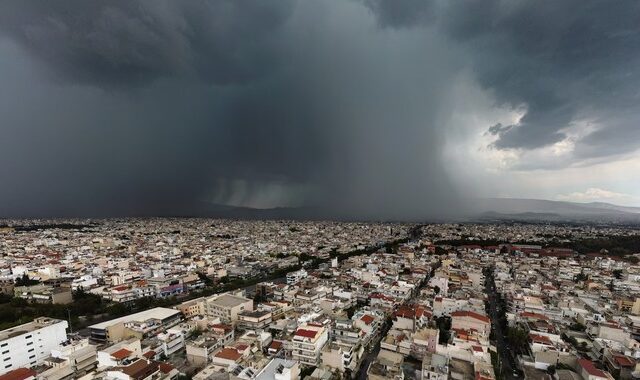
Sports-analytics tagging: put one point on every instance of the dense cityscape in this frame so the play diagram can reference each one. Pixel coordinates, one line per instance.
(134, 299)
(319, 190)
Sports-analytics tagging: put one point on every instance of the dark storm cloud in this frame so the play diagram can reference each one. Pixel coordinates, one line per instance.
(560, 60)
(148, 107)
(402, 13)
(124, 43)
(152, 106)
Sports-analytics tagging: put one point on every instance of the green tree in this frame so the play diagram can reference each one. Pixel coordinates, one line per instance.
(25, 281)
(580, 276)
(196, 333)
(577, 327)
(583, 346)
(444, 325)
(519, 338)
(551, 370)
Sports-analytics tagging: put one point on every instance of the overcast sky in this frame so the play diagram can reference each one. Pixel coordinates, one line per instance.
(369, 108)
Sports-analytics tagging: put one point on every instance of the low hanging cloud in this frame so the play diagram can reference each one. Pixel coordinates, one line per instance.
(593, 194)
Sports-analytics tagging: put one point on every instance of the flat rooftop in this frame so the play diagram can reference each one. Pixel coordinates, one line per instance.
(36, 324)
(255, 313)
(159, 313)
(228, 300)
(274, 367)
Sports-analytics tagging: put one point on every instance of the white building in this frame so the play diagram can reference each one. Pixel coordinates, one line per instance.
(29, 344)
(280, 369)
(307, 343)
(172, 341)
(72, 358)
(295, 277)
(139, 325)
(116, 354)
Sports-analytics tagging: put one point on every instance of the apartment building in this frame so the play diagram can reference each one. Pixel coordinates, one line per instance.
(138, 325)
(469, 320)
(201, 349)
(295, 277)
(279, 369)
(341, 356)
(307, 343)
(255, 320)
(70, 359)
(44, 294)
(227, 307)
(30, 344)
(129, 292)
(192, 307)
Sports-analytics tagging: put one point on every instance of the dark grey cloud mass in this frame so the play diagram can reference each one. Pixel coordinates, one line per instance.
(152, 107)
(130, 43)
(561, 60)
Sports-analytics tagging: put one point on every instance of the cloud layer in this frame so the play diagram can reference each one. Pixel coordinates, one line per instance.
(151, 107)
(563, 62)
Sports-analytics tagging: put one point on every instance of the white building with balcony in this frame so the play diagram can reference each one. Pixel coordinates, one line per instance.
(307, 343)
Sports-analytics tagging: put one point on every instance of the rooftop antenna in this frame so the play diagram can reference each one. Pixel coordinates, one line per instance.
(69, 320)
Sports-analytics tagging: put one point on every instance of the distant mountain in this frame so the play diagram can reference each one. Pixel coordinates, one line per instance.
(539, 209)
(479, 209)
(609, 206)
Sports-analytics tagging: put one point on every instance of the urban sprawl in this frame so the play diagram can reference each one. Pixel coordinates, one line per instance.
(205, 299)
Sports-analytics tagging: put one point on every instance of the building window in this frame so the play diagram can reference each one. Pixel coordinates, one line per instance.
(28, 336)
(7, 366)
(32, 356)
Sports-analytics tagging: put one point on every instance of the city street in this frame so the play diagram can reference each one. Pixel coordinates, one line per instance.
(373, 353)
(507, 365)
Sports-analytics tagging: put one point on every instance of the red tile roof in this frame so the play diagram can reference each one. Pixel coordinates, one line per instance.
(140, 369)
(527, 314)
(472, 314)
(623, 361)
(306, 333)
(221, 326)
(166, 367)
(149, 354)
(18, 374)
(590, 368)
(367, 319)
(540, 339)
(229, 354)
(121, 354)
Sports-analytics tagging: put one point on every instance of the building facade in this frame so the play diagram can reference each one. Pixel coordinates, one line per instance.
(30, 344)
